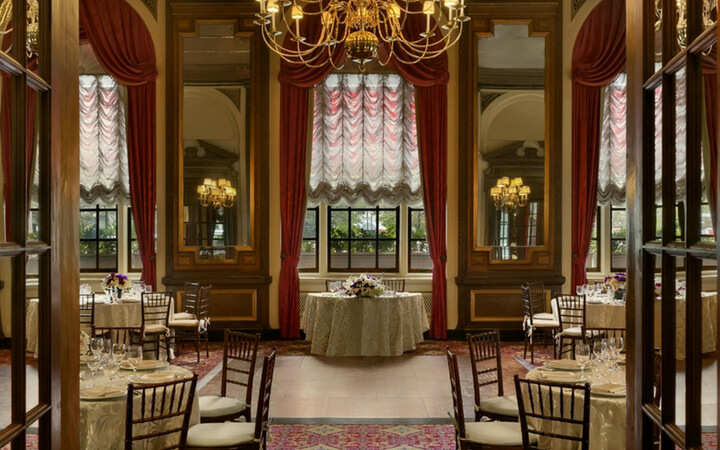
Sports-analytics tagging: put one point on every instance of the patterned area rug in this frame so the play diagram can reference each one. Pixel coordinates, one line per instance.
(329, 437)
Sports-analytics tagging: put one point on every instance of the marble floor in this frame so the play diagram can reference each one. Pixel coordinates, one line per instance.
(334, 388)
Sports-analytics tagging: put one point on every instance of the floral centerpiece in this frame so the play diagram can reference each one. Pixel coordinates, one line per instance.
(115, 284)
(679, 287)
(616, 281)
(363, 285)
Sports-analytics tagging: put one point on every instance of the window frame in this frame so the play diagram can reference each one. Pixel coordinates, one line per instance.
(316, 238)
(98, 240)
(349, 239)
(409, 241)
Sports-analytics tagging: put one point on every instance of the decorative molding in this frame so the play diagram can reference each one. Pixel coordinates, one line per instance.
(151, 6)
(576, 5)
(488, 97)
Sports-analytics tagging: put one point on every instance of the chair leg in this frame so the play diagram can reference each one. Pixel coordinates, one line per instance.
(526, 345)
(197, 346)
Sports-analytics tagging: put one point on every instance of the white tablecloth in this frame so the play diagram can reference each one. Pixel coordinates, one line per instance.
(358, 326)
(102, 423)
(613, 315)
(607, 417)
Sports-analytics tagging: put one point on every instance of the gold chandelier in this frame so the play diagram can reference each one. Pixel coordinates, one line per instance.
(361, 26)
(681, 7)
(216, 193)
(33, 24)
(510, 193)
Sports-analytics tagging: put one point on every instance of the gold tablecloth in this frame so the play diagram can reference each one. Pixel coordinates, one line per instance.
(359, 326)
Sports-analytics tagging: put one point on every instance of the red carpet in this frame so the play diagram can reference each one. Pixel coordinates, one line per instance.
(328, 437)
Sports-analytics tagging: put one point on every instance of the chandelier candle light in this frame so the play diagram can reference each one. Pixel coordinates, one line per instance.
(360, 25)
(510, 193)
(216, 193)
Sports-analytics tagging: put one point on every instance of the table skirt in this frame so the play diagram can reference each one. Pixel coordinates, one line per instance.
(358, 326)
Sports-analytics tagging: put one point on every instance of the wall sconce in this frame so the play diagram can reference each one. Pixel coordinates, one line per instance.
(216, 193)
(510, 193)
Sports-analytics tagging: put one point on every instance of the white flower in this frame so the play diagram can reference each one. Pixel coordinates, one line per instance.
(363, 285)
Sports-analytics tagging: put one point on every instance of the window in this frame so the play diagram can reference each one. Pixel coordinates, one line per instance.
(592, 263)
(364, 184)
(99, 239)
(309, 251)
(618, 239)
(363, 238)
(418, 248)
(106, 243)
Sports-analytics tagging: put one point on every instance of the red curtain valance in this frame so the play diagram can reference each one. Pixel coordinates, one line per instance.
(598, 57)
(123, 45)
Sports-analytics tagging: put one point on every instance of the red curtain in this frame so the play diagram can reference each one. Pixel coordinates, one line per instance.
(296, 82)
(430, 78)
(124, 48)
(598, 57)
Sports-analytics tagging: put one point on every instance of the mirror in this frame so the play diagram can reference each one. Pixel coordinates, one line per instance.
(510, 159)
(216, 156)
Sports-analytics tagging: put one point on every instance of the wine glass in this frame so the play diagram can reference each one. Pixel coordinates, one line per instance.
(579, 289)
(96, 346)
(93, 364)
(118, 352)
(600, 353)
(110, 368)
(582, 355)
(134, 356)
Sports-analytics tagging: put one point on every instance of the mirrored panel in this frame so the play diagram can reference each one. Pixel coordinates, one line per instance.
(216, 159)
(511, 141)
(34, 350)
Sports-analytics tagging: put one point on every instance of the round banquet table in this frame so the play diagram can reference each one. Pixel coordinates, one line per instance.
(607, 415)
(102, 422)
(601, 314)
(388, 325)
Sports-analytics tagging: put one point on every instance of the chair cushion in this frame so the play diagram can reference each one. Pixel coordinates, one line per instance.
(183, 316)
(192, 323)
(573, 332)
(215, 406)
(153, 328)
(505, 405)
(546, 323)
(495, 433)
(544, 316)
(224, 434)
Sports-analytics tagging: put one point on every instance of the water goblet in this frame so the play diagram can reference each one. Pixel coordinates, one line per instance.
(118, 352)
(110, 369)
(582, 356)
(96, 346)
(93, 364)
(134, 356)
(579, 289)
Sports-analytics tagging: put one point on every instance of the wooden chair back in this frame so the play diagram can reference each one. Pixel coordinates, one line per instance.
(533, 296)
(158, 415)
(243, 348)
(550, 404)
(456, 393)
(120, 335)
(190, 296)
(571, 310)
(263, 409)
(595, 334)
(203, 302)
(155, 307)
(394, 284)
(485, 361)
(87, 310)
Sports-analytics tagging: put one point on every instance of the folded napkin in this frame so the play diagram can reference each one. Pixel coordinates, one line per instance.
(563, 364)
(145, 364)
(607, 388)
(102, 392)
(559, 376)
(160, 377)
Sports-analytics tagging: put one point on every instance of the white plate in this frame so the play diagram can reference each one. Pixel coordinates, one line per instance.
(146, 364)
(101, 393)
(152, 378)
(563, 364)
